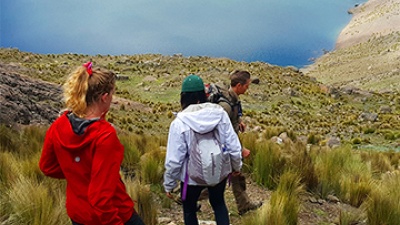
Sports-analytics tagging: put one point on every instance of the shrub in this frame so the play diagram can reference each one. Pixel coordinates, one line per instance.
(356, 141)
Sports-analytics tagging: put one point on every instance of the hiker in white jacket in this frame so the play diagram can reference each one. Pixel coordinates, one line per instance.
(198, 116)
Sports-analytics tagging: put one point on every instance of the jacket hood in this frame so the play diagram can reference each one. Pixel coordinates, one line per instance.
(73, 133)
(202, 118)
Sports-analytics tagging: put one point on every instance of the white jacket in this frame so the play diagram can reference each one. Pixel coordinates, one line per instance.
(202, 118)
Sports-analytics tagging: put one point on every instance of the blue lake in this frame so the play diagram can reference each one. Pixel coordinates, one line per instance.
(281, 32)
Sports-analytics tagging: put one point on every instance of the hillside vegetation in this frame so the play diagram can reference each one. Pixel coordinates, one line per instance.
(284, 99)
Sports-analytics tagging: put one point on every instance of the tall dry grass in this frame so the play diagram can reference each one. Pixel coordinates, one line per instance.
(27, 197)
(284, 205)
(342, 173)
(301, 161)
(144, 201)
(355, 177)
(383, 205)
(268, 164)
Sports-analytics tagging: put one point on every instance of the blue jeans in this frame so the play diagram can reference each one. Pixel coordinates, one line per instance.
(134, 220)
(216, 198)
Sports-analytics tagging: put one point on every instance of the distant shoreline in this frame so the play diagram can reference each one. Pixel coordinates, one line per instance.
(373, 18)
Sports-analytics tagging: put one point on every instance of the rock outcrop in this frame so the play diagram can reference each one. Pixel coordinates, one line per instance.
(25, 100)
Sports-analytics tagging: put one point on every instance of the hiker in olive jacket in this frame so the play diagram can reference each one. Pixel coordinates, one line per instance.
(240, 81)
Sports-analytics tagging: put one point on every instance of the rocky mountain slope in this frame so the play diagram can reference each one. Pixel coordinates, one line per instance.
(25, 100)
(367, 51)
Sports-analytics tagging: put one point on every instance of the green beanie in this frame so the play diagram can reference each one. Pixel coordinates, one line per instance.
(192, 83)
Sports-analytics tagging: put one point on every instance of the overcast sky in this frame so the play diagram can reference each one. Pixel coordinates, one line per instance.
(283, 32)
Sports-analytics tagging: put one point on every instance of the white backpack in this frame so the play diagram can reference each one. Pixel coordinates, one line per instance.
(209, 162)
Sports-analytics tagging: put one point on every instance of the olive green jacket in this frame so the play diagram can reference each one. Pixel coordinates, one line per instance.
(233, 112)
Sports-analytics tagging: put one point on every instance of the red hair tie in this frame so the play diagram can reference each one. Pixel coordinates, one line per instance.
(88, 66)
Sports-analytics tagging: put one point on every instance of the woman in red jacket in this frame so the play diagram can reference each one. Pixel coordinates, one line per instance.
(83, 148)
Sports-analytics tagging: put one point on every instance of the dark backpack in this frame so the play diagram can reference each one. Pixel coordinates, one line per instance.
(215, 94)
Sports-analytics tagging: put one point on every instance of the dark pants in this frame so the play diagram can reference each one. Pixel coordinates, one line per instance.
(238, 183)
(216, 198)
(134, 220)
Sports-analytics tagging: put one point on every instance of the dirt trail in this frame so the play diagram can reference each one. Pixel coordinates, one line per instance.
(312, 211)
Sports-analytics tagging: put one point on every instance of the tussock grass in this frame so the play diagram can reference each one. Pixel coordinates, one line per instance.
(152, 167)
(342, 173)
(355, 177)
(383, 204)
(30, 202)
(250, 141)
(5, 170)
(302, 161)
(355, 188)
(27, 141)
(268, 165)
(132, 154)
(8, 141)
(284, 205)
(349, 217)
(380, 162)
(143, 198)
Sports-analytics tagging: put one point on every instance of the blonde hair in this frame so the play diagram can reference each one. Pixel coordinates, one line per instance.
(81, 89)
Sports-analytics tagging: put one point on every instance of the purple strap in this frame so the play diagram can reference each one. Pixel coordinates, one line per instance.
(185, 184)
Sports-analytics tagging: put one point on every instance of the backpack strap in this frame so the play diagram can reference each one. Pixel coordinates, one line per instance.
(233, 105)
(186, 180)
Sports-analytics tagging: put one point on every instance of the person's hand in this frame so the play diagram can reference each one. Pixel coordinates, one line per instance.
(235, 173)
(245, 153)
(242, 127)
(169, 195)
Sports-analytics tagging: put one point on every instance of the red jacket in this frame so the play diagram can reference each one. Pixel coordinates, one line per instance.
(90, 163)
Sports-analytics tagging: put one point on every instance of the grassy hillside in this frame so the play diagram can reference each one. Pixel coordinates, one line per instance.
(300, 180)
(285, 99)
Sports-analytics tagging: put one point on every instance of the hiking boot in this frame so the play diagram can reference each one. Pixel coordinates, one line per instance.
(251, 206)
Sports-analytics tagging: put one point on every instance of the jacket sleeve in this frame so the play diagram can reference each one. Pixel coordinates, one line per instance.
(232, 144)
(105, 176)
(48, 162)
(175, 157)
